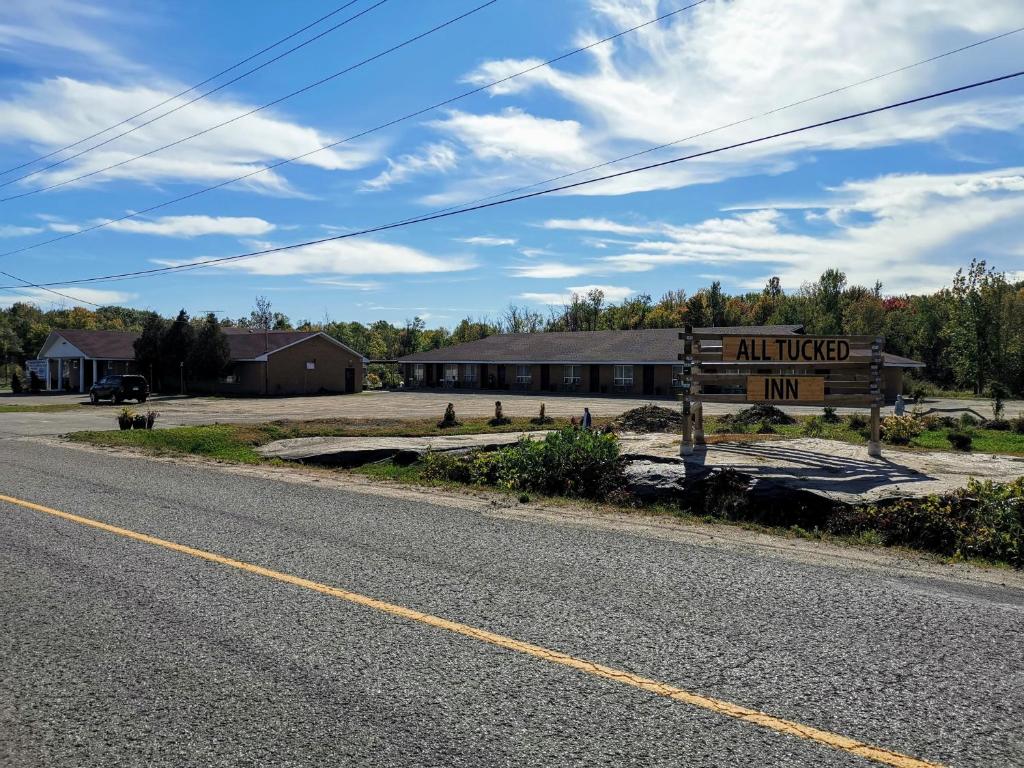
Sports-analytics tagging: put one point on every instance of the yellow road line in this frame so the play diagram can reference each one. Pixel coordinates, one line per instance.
(718, 706)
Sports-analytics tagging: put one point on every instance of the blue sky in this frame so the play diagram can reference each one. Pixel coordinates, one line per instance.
(904, 197)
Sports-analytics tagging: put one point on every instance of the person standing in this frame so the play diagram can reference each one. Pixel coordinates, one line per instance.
(587, 420)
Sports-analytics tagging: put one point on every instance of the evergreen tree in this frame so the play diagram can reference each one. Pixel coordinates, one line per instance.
(210, 354)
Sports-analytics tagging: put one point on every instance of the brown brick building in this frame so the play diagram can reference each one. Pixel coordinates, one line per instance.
(639, 363)
(262, 362)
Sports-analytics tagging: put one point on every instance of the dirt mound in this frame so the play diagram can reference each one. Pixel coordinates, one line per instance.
(649, 418)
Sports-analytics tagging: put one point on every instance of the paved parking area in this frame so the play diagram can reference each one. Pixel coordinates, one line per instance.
(177, 411)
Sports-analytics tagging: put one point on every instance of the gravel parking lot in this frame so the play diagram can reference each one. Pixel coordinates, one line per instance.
(179, 411)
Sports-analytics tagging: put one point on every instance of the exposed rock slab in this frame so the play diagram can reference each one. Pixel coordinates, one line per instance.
(356, 451)
(837, 471)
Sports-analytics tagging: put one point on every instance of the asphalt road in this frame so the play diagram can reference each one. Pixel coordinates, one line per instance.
(118, 652)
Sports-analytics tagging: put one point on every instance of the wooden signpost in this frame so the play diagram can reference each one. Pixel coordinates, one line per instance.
(780, 370)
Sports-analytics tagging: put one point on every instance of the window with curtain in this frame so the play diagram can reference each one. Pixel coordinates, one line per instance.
(623, 376)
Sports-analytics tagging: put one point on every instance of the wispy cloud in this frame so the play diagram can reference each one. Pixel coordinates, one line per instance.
(195, 226)
(611, 293)
(47, 299)
(9, 230)
(437, 158)
(488, 242)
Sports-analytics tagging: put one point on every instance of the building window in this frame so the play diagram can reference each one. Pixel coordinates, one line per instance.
(623, 376)
(469, 374)
(419, 372)
(571, 374)
(523, 374)
(451, 372)
(311, 365)
(678, 379)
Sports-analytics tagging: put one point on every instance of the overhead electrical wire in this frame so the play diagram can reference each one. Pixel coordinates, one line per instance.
(260, 108)
(366, 132)
(200, 97)
(210, 79)
(619, 174)
(26, 284)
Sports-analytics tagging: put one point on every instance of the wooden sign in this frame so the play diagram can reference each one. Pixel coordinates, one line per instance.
(785, 349)
(785, 389)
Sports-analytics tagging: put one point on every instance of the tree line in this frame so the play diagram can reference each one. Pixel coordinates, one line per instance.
(969, 335)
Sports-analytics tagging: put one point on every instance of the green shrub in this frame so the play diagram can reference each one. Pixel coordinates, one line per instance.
(999, 425)
(475, 468)
(829, 415)
(985, 519)
(814, 426)
(961, 441)
(765, 428)
(966, 421)
(568, 462)
(1017, 425)
(763, 414)
(16, 387)
(857, 421)
(900, 430)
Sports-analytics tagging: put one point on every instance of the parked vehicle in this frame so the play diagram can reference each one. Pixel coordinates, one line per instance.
(119, 387)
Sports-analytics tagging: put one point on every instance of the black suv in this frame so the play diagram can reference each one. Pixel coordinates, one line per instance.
(118, 387)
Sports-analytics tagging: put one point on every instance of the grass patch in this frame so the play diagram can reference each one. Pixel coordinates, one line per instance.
(984, 441)
(46, 408)
(215, 441)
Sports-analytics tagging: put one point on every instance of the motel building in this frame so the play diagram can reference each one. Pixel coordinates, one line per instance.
(261, 362)
(642, 363)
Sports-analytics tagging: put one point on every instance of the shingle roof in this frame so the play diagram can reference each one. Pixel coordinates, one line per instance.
(889, 360)
(246, 344)
(102, 345)
(119, 345)
(653, 345)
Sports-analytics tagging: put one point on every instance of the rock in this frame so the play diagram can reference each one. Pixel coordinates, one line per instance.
(651, 480)
(356, 451)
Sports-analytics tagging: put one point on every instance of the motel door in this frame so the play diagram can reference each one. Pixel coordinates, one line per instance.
(648, 379)
(595, 378)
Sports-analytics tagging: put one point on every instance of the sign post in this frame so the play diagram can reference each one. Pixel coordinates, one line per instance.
(840, 371)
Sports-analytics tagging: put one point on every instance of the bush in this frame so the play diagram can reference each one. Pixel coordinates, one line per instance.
(763, 414)
(16, 383)
(499, 416)
(542, 417)
(857, 421)
(448, 420)
(985, 519)
(765, 428)
(1017, 425)
(476, 468)
(961, 441)
(999, 425)
(966, 421)
(829, 415)
(373, 381)
(900, 430)
(814, 426)
(568, 462)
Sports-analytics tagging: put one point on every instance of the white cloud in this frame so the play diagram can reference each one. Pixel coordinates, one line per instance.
(64, 227)
(726, 62)
(345, 257)
(612, 293)
(354, 285)
(9, 230)
(912, 232)
(49, 114)
(194, 226)
(515, 135)
(554, 270)
(488, 242)
(439, 158)
(47, 299)
(596, 225)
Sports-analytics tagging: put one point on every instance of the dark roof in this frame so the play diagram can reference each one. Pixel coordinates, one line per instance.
(246, 344)
(119, 345)
(102, 345)
(889, 360)
(652, 345)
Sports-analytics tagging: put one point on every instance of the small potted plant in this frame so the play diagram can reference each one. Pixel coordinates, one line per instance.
(139, 421)
(125, 418)
(151, 418)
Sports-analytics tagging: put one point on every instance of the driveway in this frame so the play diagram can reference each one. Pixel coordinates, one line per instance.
(180, 411)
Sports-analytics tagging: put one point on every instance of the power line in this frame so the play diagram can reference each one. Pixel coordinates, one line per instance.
(735, 123)
(40, 287)
(194, 100)
(606, 177)
(190, 89)
(380, 127)
(253, 111)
